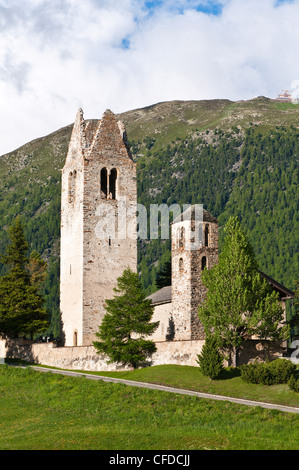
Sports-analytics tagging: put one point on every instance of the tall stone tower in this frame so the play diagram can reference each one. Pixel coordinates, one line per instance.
(194, 247)
(98, 223)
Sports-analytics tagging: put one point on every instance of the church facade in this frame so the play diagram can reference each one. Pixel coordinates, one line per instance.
(98, 185)
(99, 240)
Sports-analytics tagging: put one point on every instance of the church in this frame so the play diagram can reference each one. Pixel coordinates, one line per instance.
(99, 240)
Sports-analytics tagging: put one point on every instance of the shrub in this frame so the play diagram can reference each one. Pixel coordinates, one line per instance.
(282, 370)
(269, 373)
(210, 360)
(293, 383)
(251, 373)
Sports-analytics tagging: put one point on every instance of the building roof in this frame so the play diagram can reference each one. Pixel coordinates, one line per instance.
(189, 214)
(284, 292)
(163, 296)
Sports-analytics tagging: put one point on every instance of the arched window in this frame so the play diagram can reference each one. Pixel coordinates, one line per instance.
(206, 235)
(112, 183)
(181, 265)
(203, 262)
(75, 338)
(104, 183)
(182, 238)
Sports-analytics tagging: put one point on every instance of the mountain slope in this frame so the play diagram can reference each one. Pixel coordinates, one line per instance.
(236, 158)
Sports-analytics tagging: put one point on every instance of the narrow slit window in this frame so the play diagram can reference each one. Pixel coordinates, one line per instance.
(74, 180)
(177, 238)
(113, 183)
(207, 235)
(182, 238)
(104, 183)
(181, 265)
(70, 187)
(203, 262)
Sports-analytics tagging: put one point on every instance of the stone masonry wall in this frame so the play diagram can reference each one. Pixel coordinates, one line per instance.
(106, 255)
(188, 292)
(86, 357)
(71, 239)
(198, 290)
(98, 231)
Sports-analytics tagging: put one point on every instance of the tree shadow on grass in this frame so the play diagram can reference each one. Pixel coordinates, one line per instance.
(229, 373)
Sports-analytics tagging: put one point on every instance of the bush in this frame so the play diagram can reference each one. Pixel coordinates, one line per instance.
(210, 360)
(293, 383)
(276, 372)
(253, 373)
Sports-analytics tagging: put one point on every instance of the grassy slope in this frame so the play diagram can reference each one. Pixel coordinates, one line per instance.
(47, 411)
(167, 121)
(190, 378)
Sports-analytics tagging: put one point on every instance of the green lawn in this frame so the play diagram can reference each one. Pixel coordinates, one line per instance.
(50, 411)
(230, 384)
(190, 378)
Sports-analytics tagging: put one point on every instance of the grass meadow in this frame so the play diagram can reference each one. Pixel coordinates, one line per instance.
(53, 412)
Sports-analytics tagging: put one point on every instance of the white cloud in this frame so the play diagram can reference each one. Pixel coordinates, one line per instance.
(58, 55)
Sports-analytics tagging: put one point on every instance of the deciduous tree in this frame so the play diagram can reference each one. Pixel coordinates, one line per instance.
(239, 302)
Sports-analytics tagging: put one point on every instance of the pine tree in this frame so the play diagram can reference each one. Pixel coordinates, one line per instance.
(21, 305)
(164, 276)
(126, 324)
(37, 269)
(239, 302)
(210, 360)
(294, 321)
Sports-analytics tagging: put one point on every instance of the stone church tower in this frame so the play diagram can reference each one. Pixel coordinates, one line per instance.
(194, 245)
(98, 223)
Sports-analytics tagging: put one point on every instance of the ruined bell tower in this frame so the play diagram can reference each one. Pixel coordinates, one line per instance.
(98, 223)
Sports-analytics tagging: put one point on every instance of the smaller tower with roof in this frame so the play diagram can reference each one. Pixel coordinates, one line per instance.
(194, 248)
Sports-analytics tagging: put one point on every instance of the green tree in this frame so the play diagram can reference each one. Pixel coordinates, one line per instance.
(164, 276)
(210, 360)
(294, 321)
(126, 323)
(37, 268)
(21, 304)
(239, 302)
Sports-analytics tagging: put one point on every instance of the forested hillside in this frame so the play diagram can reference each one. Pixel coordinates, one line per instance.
(251, 175)
(234, 158)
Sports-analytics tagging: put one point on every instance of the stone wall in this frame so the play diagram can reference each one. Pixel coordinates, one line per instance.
(86, 357)
(98, 225)
(162, 314)
(71, 239)
(109, 222)
(255, 350)
(189, 257)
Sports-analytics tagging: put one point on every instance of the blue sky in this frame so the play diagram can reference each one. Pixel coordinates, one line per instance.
(59, 55)
(208, 7)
